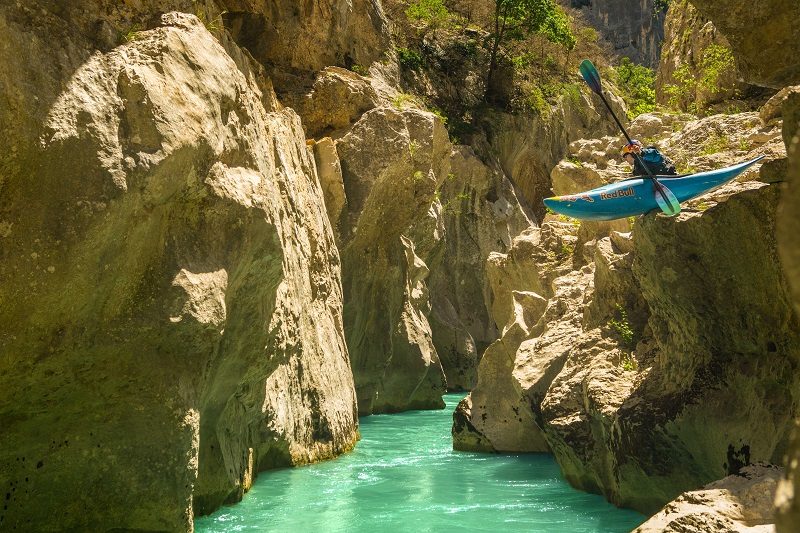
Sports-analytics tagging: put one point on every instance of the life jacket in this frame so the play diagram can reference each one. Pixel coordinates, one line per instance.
(658, 163)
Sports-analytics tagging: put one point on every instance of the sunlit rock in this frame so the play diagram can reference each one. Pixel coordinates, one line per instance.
(741, 502)
(171, 302)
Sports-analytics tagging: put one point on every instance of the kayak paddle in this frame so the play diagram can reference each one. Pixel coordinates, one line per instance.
(665, 199)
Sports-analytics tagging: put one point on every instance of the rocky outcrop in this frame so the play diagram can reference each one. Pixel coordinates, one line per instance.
(388, 232)
(634, 29)
(416, 218)
(170, 286)
(298, 39)
(775, 66)
(481, 214)
(741, 502)
(660, 360)
(746, 26)
(697, 68)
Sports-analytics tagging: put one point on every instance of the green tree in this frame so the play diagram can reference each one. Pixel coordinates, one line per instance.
(515, 19)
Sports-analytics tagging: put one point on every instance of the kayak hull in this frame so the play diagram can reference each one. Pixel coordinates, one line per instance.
(636, 196)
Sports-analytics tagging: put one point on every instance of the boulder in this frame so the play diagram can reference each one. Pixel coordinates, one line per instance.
(740, 502)
(336, 101)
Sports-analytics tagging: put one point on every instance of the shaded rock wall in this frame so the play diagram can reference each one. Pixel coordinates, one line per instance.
(766, 45)
(296, 39)
(750, 27)
(690, 40)
(788, 497)
(634, 29)
(170, 286)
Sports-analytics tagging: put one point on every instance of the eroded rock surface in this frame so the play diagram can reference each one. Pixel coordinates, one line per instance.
(634, 29)
(741, 502)
(170, 287)
(748, 27)
(788, 496)
(665, 358)
(696, 69)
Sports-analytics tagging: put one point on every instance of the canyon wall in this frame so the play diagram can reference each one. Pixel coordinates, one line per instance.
(648, 362)
(634, 29)
(749, 28)
(171, 290)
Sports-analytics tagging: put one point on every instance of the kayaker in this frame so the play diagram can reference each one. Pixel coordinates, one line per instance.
(658, 163)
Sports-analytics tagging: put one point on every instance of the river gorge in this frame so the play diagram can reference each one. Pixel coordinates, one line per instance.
(277, 264)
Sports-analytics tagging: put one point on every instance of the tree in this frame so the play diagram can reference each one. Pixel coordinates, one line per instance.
(514, 19)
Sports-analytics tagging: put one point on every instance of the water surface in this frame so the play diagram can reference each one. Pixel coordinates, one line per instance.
(405, 476)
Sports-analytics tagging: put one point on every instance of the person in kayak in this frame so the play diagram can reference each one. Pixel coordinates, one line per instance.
(658, 163)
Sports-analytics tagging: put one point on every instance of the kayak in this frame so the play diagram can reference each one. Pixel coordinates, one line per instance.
(636, 196)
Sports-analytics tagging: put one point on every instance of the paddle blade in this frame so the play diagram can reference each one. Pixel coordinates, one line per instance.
(591, 76)
(665, 199)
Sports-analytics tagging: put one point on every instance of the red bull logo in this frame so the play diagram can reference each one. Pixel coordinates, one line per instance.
(617, 194)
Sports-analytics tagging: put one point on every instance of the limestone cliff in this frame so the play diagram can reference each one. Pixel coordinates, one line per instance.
(697, 70)
(634, 29)
(169, 284)
(766, 45)
(654, 362)
(764, 37)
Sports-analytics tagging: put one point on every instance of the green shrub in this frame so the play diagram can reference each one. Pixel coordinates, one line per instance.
(638, 84)
(716, 63)
(660, 5)
(131, 34)
(534, 100)
(402, 100)
(715, 143)
(409, 59)
(681, 93)
(628, 363)
(622, 327)
(361, 70)
(431, 12)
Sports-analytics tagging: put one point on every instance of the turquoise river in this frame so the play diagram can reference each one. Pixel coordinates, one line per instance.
(405, 476)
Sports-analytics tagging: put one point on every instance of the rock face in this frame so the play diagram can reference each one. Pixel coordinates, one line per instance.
(388, 233)
(776, 66)
(788, 497)
(654, 362)
(296, 38)
(169, 282)
(482, 213)
(741, 502)
(634, 29)
(697, 68)
(746, 26)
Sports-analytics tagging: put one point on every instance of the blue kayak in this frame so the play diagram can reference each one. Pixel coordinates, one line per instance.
(636, 196)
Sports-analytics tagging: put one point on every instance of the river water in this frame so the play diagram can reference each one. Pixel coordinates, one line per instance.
(404, 476)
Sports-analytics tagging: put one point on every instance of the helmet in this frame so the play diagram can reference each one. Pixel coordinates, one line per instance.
(632, 147)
